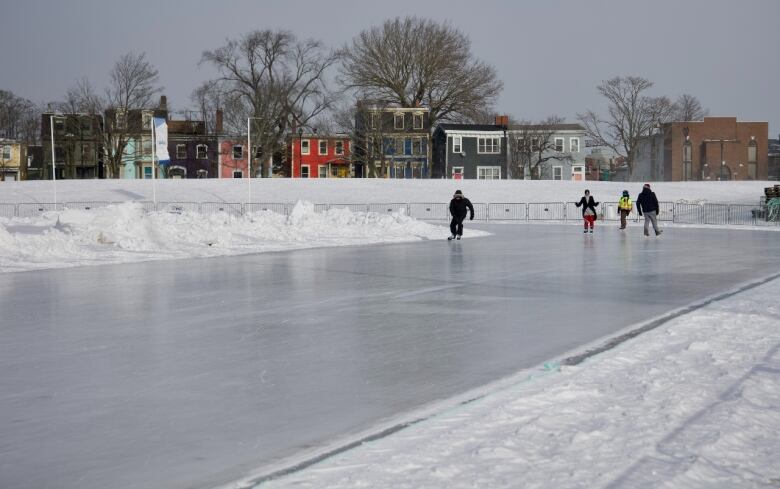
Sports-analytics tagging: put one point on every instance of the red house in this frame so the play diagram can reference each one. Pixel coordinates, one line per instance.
(232, 157)
(320, 156)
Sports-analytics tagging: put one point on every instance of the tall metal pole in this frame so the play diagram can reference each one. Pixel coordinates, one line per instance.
(53, 164)
(154, 180)
(249, 164)
(722, 161)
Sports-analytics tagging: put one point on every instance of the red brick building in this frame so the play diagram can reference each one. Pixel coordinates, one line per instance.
(232, 157)
(320, 156)
(717, 148)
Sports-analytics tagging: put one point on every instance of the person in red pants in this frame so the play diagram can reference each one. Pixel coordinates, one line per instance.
(588, 210)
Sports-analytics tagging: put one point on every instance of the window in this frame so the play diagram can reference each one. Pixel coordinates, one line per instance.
(534, 144)
(59, 123)
(258, 152)
(489, 145)
(238, 152)
(59, 153)
(339, 147)
(489, 172)
(323, 147)
(417, 146)
(203, 174)
(304, 171)
(201, 152)
(147, 172)
(86, 124)
(86, 151)
(146, 147)
(6, 152)
(120, 119)
(418, 121)
(687, 160)
(574, 145)
(407, 146)
(457, 173)
(457, 144)
(181, 151)
(305, 148)
(559, 145)
(752, 163)
(147, 120)
(238, 174)
(322, 171)
(557, 173)
(398, 121)
(374, 120)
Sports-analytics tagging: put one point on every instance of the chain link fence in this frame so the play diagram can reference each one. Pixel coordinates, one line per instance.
(679, 213)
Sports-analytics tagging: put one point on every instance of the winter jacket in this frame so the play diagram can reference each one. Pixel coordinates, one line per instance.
(624, 204)
(587, 204)
(647, 202)
(459, 208)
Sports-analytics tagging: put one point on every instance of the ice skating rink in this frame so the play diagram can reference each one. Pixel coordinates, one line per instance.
(189, 373)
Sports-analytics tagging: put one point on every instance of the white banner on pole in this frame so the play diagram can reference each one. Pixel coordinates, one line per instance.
(161, 143)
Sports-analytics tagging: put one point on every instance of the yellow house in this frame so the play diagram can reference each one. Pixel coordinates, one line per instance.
(13, 160)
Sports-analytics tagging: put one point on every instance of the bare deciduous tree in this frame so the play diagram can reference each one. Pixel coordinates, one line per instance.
(631, 115)
(132, 86)
(277, 80)
(531, 145)
(413, 62)
(688, 108)
(19, 118)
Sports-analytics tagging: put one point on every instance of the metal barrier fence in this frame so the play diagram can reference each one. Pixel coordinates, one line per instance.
(680, 213)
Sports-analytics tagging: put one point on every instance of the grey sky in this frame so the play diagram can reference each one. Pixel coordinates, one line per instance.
(550, 54)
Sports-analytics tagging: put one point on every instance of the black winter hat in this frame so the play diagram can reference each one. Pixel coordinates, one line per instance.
(458, 192)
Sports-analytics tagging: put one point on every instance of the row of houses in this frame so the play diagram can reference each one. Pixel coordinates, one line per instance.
(396, 142)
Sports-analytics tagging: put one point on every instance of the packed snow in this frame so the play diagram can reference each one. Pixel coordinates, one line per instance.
(693, 403)
(347, 191)
(127, 233)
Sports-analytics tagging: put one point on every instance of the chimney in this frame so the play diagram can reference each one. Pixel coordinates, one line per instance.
(502, 120)
(218, 122)
(163, 102)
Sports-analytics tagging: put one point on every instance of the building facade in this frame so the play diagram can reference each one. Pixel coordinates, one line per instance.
(716, 148)
(547, 151)
(392, 142)
(773, 163)
(469, 151)
(193, 153)
(312, 155)
(13, 160)
(232, 157)
(78, 148)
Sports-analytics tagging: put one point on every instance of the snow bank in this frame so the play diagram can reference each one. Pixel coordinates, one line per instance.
(125, 233)
(694, 403)
(361, 191)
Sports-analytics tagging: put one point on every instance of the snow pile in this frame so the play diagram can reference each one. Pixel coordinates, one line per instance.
(694, 403)
(369, 190)
(126, 232)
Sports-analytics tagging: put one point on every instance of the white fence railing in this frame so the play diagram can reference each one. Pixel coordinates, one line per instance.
(718, 214)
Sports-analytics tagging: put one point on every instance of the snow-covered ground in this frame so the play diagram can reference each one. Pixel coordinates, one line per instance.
(126, 233)
(693, 403)
(345, 191)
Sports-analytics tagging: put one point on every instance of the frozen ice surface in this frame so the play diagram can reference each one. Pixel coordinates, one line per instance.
(190, 373)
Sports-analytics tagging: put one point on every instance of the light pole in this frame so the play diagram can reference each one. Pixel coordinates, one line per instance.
(249, 160)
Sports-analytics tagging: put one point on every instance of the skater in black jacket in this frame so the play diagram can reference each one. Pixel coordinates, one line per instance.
(647, 205)
(459, 205)
(588, 205)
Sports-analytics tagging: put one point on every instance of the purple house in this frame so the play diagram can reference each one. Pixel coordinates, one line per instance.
(193, 152)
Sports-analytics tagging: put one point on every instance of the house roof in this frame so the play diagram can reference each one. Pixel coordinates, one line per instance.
(470, 127)
(557, 127)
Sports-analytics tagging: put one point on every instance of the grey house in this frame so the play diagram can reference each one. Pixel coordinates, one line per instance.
(469, 151)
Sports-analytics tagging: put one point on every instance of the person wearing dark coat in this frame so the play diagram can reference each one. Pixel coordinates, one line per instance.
(459, 207)
(647, 205)
(588, 210)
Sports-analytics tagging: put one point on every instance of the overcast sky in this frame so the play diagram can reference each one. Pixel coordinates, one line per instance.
(550, 54)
